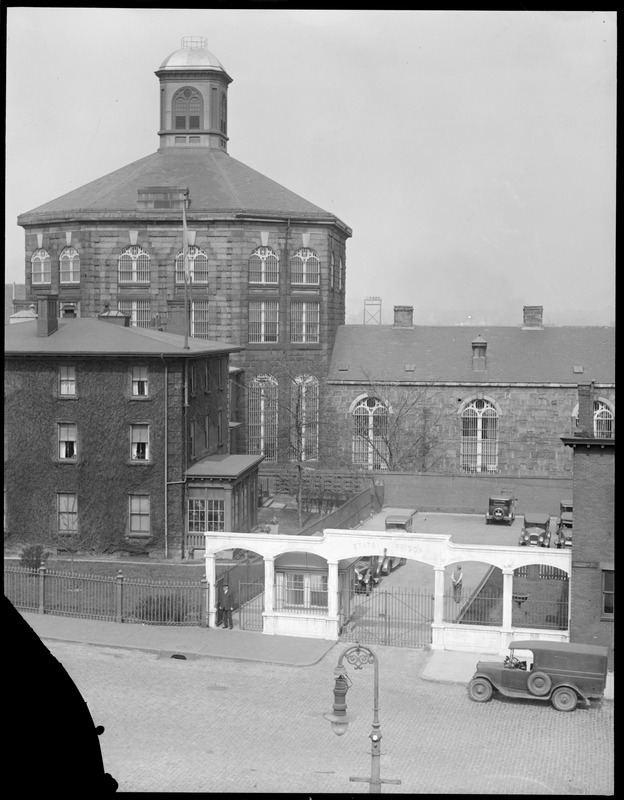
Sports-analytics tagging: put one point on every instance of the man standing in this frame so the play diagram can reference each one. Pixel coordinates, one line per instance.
(226, 608)
(456, 579)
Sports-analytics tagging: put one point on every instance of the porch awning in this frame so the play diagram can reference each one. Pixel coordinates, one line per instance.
(228, 467)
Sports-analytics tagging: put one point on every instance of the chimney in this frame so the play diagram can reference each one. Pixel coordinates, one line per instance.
(47, 314)
(533, 317)
(479, 347)
(404, 316)
(585, 427)
(116, 317)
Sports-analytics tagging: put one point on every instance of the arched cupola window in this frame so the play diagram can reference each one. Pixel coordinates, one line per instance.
(223, 120)
(187, 109)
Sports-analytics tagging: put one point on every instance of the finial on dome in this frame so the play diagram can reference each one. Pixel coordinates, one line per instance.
(193, 42)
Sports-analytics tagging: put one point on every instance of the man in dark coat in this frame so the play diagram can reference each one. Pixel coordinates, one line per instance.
(226, 608)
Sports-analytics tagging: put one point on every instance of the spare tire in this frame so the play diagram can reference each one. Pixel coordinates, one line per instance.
(499, 513)
(539, 683)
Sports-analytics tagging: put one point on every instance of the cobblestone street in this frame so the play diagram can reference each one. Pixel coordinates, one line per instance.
(214, 725)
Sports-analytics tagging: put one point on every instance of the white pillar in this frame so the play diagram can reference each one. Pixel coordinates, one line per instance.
(332, 588)
(438, 596)
(269, 584)
(211, 577)
(507, 597)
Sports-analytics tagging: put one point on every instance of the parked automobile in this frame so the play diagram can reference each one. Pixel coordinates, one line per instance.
(535, 530)
(565, 505)
(501, 509)
(563, 673)
(401, 521)
(564, 530)
(367, 573)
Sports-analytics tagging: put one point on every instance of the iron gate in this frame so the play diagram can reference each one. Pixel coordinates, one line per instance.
(399, 618)
(250, 605)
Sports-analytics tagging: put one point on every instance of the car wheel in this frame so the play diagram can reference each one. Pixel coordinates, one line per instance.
(564, 699)
(480, 690)
(539, 683)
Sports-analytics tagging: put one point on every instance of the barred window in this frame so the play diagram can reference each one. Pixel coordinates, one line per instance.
(263, 321)
(139, 515)
(68, 441)
(305, 267)
(263, 266)
(332, 270)
(608, 592)
(199, 319)
(134, 265)
(139, 312)
(370, 434)
(139, 381)
(340, 273)
(197, 265)
(196, 516)
(187, 109)
(304, 323)
(479, 438)
(262, 417)
(604, 419)
(139, 442)
(41, 267)
(67, 381)
(69, 266)
(304, 418)
(215, 515)
(67, 513)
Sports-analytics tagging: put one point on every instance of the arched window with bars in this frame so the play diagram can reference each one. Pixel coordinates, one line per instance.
(305, 267)
(40, 267)
(370, 434)
(262, 417)
(304, 410)
(604, 419)
(479, 437)
(264, 266)
(197, 265)
(187, 109)
(134, 265)
(69, 265)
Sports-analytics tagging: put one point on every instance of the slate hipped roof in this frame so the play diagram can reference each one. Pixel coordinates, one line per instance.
(92, 337)
(365, 353)
(218, 185)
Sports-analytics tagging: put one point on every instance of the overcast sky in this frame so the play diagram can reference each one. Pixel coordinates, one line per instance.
(472, 153)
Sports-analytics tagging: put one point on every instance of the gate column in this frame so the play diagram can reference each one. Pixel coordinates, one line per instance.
(212, 590)
(332, 588)
(438, 596)
(269, 584)
(507, 600)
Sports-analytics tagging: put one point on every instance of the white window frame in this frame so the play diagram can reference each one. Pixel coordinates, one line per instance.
(262, 417)
(305, 268)
(67, 380)
(215, 514)
(479, 448)
(139, 510)
(297, 590)
(196, 258)
(140, 442)
(604, 419)
(67, 441)
(263, 321)
(69, 266)
(140, 380)
(305, 322)
(136, 265)
(67, 513)
(196, 519)
(200, 318)
(264, 266)
(369, 443)
(42, 274)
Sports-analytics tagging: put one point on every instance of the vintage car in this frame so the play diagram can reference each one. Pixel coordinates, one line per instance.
(535, 530)
(501, 509)
(563, 673)
(565, 505)
(401, 521)
(367, 573)
(564, 530)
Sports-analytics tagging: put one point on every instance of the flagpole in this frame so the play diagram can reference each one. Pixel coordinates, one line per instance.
(186, 269)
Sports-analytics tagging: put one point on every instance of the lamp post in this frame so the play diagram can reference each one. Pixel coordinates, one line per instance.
(358, 656)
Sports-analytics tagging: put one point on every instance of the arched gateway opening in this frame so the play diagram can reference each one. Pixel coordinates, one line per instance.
(316, 586)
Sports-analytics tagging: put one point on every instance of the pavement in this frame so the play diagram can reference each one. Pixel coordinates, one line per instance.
(445, 666)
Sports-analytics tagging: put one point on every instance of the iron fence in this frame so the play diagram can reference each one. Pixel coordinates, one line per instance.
(486, 608)
(106, 598)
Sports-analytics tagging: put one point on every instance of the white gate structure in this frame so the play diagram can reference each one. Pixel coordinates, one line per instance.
(336, 545)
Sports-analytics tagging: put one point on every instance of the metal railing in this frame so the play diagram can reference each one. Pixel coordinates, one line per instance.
(486, 608)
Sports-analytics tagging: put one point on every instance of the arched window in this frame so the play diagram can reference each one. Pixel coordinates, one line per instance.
(134, 265)
(305, 267)
(187, 109)
(370, 434)
(40, 267)
(223, 121)
(479, 442)
(262, 417)
(69, 265)
(304, 411)
(263, 266)
(197, 263)
(604, 419)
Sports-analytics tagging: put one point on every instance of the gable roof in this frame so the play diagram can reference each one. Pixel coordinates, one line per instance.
(218, 184)
(87, 336)
(363, 353)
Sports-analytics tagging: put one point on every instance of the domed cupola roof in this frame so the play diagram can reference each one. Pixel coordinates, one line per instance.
(192, 55)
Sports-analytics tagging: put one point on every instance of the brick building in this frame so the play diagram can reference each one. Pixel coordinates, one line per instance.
(592, 599)
(456, 400)
(266, 267)
(118, 436)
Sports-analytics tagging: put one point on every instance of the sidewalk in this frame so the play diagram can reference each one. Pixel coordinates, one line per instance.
(444, 666)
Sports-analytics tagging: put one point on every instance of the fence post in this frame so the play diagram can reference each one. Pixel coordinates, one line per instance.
(119, 597)
(203, 612)
(42, 573)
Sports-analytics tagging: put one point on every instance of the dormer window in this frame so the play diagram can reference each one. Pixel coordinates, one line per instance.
(479, 347)
(187, 110)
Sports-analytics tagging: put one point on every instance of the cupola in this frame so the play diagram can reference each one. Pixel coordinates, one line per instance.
(193, 98)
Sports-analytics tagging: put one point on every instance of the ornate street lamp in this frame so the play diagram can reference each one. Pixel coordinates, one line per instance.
(358, 656)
